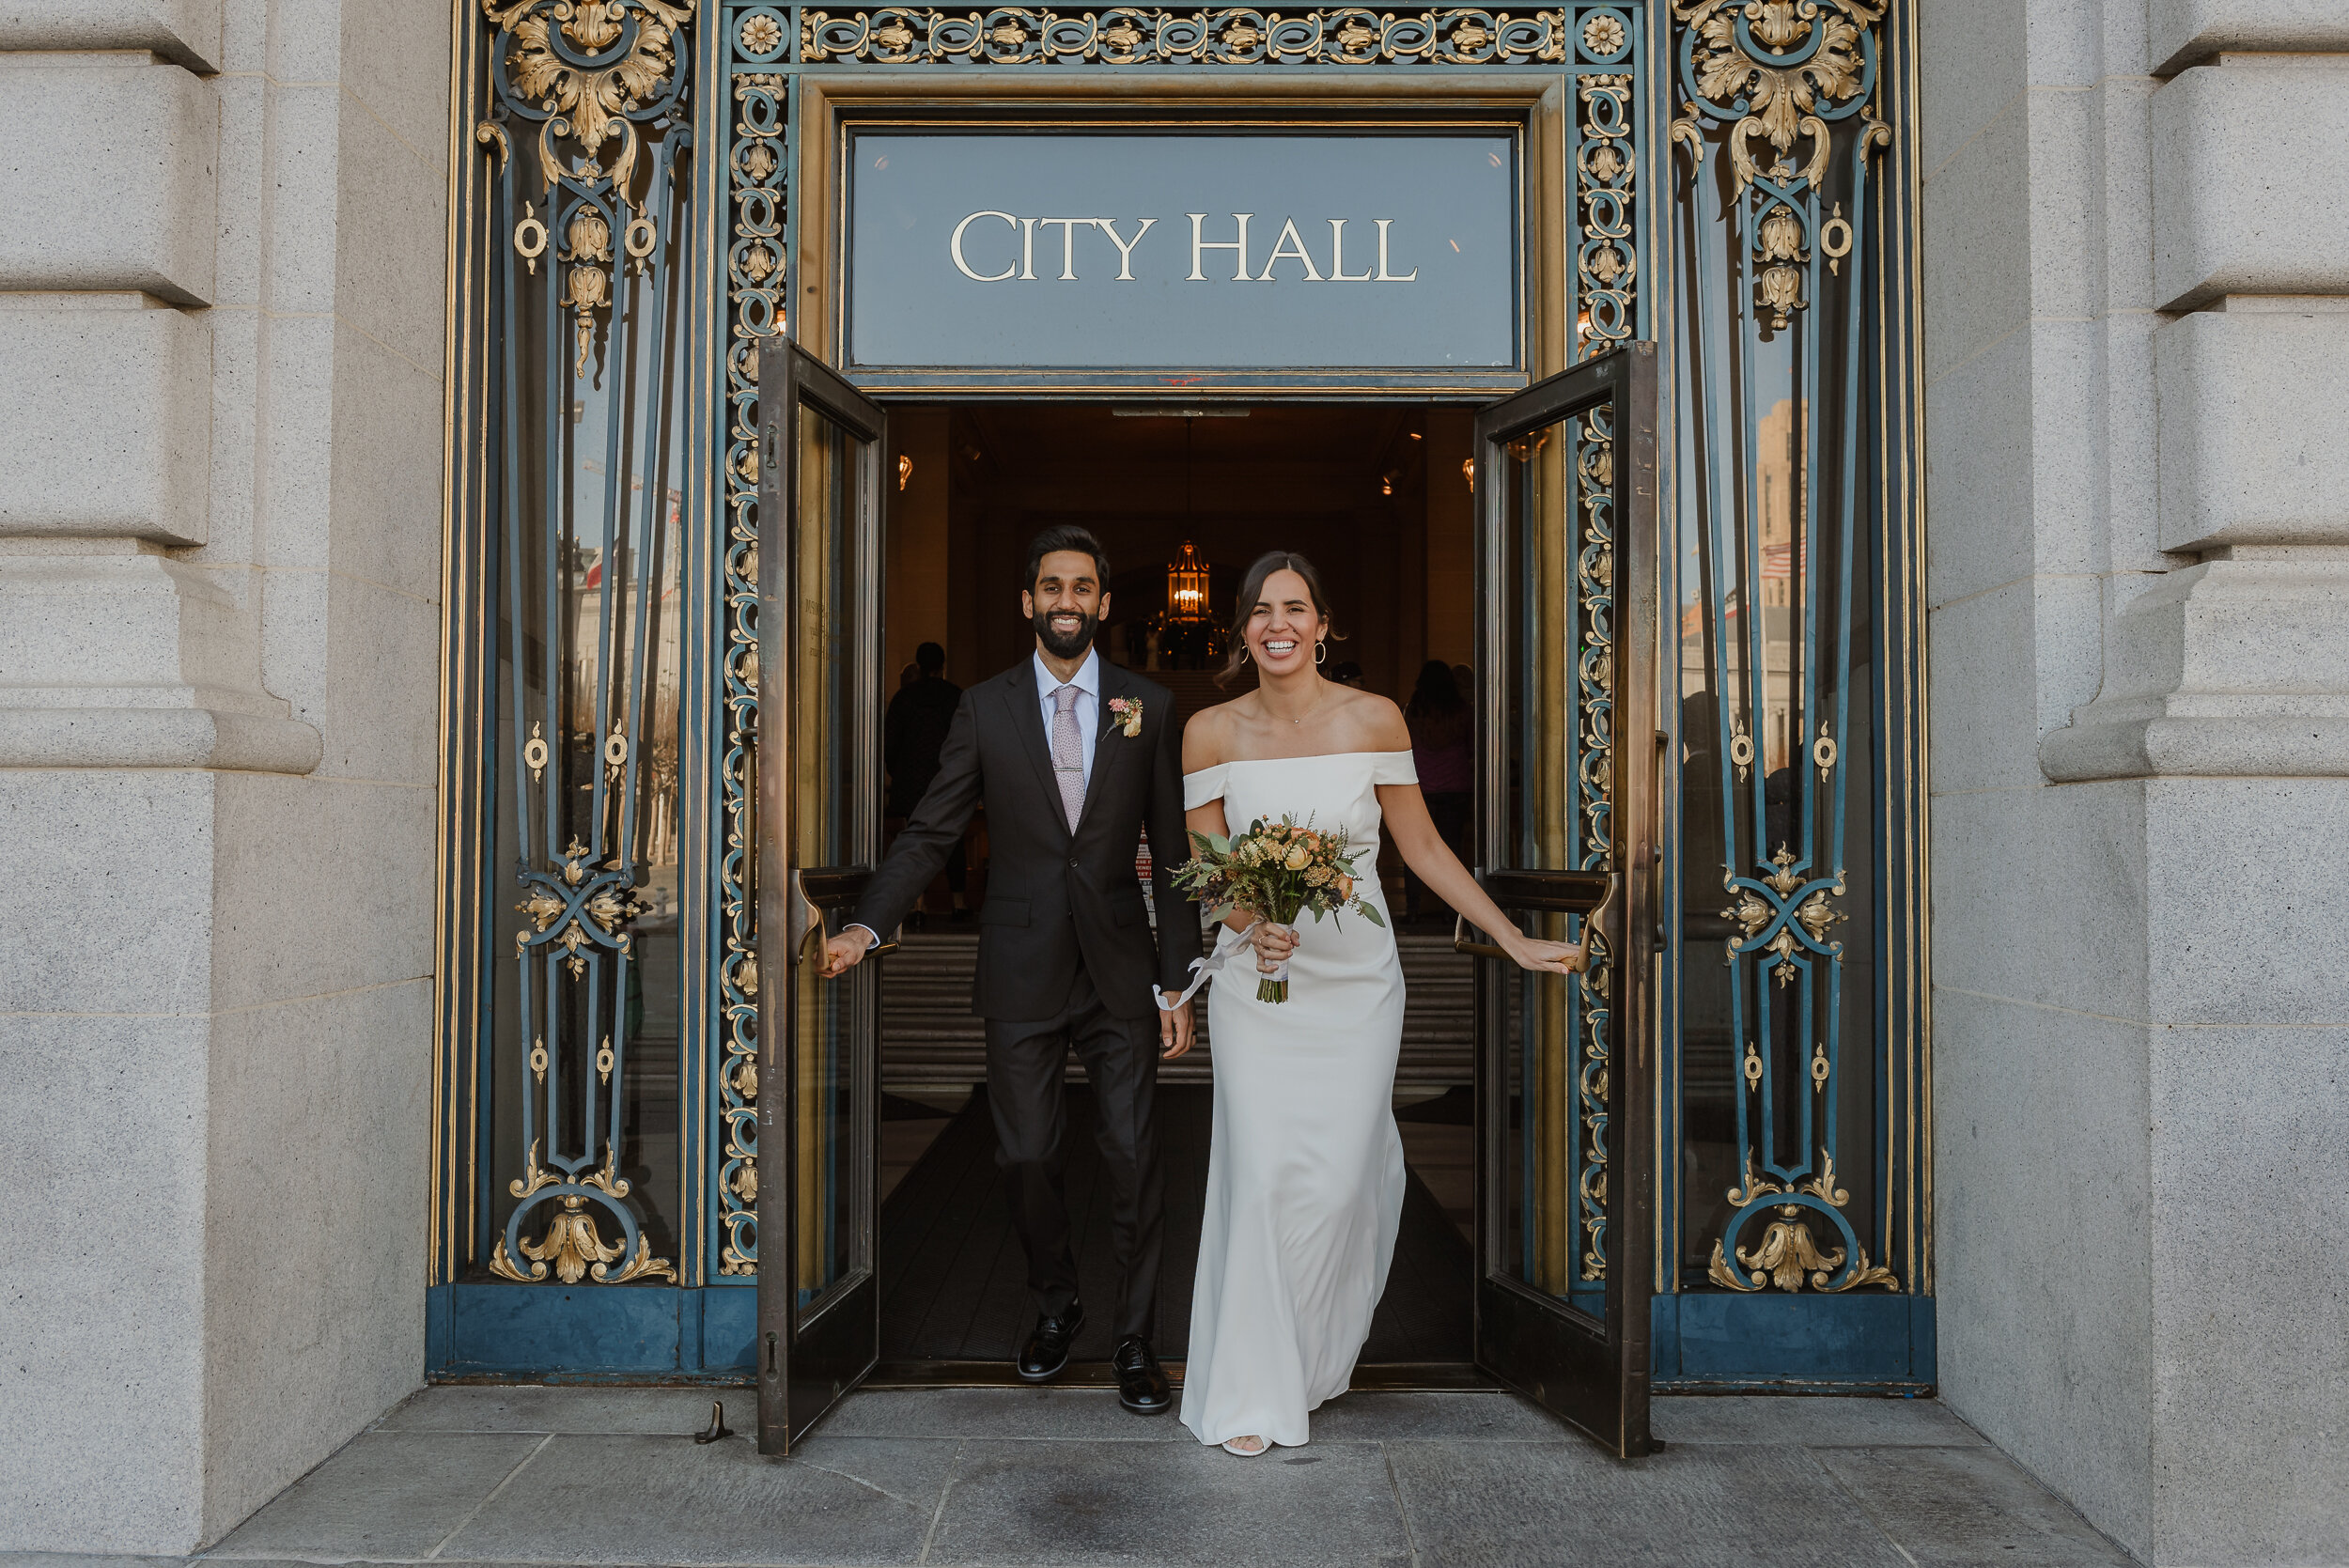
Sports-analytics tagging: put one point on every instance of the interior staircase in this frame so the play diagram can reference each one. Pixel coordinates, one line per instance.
(931, 1041)
(1193, 689)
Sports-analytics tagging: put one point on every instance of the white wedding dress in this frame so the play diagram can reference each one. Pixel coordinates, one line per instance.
(1305, 1175)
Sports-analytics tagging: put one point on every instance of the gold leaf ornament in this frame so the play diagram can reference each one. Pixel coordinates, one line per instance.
(1780, 23)
(761, 34)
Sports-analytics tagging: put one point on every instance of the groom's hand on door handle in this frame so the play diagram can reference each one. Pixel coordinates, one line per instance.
(844, 952)
(1174, 1031)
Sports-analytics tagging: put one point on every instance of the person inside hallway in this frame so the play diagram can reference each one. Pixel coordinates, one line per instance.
(912, 735)
(1073, 758)
(1443, 730)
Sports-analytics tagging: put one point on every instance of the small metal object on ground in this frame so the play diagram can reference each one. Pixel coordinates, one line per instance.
(717, 1427)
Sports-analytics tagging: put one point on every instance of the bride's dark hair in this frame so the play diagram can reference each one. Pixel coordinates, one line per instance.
(1252, 589)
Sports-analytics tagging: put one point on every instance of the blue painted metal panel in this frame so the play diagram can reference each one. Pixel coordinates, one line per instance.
(532, 1328)
(730, 1329)
(586, 1332)
(440, 1326)
(1705, 1339)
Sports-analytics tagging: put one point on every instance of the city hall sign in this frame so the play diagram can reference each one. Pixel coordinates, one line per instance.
(1225, 251)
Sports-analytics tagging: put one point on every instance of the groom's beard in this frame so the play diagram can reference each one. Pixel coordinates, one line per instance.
(1069, 645)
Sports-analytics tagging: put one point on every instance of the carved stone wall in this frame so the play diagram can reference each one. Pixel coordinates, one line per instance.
(221, 357)
(2137, 295)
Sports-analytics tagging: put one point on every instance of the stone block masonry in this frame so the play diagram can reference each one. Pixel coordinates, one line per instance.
(221, 319)
(2137, 280)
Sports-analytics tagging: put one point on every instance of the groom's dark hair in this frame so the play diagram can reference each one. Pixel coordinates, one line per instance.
(1067, 536)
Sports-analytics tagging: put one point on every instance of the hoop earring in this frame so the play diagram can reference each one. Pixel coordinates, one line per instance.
(1243, 653)
(1321, 653)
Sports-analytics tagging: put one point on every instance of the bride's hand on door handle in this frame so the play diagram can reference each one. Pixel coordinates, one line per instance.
(1544, 957)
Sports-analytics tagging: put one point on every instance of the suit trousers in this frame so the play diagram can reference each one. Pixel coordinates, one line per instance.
(1025, 1059)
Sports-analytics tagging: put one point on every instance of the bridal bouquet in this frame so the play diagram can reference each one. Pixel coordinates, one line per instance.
(1275, 871)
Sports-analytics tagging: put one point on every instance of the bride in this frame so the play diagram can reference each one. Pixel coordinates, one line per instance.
(1305, 1174)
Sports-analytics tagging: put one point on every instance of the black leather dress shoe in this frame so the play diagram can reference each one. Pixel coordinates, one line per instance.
(1047, 1350)
(1141, 1385)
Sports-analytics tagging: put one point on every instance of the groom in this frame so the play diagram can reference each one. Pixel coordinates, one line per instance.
(1074, 757)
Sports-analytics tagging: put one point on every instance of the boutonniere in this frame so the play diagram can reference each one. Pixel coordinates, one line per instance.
(1128, 714)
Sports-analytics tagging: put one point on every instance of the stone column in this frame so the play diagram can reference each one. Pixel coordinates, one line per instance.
(221, 304)
(2137, 277)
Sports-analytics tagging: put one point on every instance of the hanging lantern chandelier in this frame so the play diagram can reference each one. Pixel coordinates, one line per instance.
(1187, 585)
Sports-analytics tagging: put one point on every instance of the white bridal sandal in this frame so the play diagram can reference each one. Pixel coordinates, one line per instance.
(1231, 1445)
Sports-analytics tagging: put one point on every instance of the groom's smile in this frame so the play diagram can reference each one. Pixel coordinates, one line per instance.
(1067, 604)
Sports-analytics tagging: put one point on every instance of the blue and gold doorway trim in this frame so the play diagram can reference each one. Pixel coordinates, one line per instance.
(1794, 1170)
(624, 232)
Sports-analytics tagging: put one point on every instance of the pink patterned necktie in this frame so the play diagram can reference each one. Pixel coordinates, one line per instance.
(1069, 754)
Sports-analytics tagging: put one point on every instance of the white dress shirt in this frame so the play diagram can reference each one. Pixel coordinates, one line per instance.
(1088, 684)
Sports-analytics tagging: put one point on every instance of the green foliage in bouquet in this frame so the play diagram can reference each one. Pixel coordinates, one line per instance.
(1276, 871)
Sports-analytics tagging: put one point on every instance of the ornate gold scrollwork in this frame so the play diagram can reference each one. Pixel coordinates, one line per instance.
(1818, 916)
(560, 65)
(572, 1249)
(1760, 65)
(1754, 1186)
(1751, 912)
(1606, 261)
(757, 308)
(1780, 95)
(1788, 1254)
(643, 235)
(610, 909)
(1593, 454)
(761, 34)
(530, 234)
(1151, 34)
(1835, 238)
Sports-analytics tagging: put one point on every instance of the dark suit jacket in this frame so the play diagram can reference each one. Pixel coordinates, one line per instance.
(1055, 899)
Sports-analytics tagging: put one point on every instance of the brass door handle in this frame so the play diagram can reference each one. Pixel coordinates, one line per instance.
(1461, 942)
(808, 918)
(816, 890)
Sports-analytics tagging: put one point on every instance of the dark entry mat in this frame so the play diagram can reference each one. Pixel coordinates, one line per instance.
(953, 1280)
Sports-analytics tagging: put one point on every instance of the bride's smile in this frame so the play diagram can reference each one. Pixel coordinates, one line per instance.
(1284, 634)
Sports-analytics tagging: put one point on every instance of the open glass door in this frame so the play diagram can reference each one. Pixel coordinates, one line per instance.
(819, 583)
(1566, 511)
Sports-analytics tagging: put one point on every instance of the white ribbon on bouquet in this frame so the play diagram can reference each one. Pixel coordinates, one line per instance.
(1227, 946)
